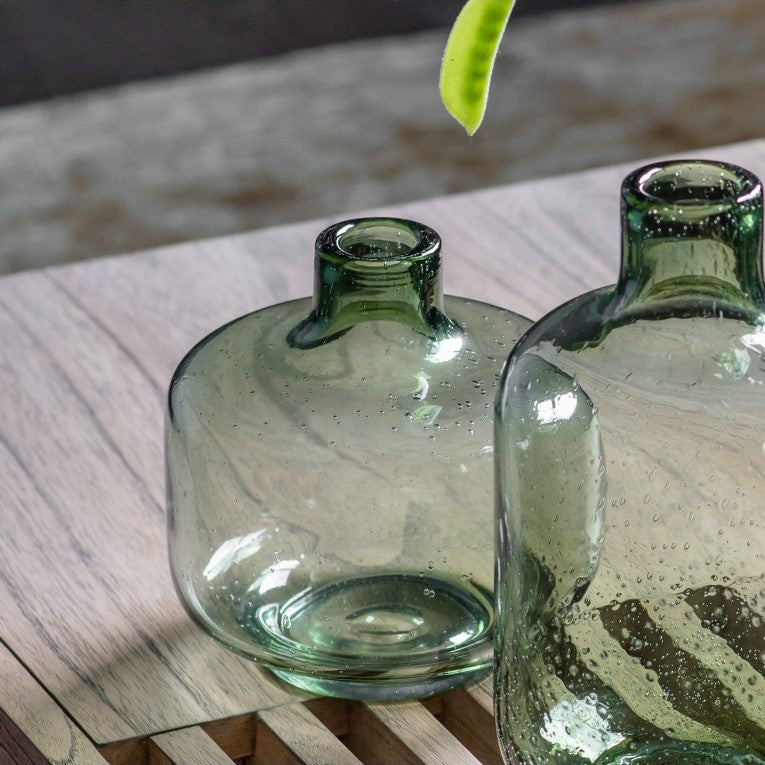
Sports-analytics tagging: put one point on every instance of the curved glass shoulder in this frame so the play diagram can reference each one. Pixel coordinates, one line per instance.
(630, 451)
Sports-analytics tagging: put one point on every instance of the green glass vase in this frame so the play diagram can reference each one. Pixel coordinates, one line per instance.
(329, 473)
(630, 447)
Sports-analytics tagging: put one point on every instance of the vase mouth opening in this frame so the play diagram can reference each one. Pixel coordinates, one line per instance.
(379, 240)
(690, 184)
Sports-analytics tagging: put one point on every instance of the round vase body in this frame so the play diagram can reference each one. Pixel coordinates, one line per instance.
(630, 446)
(330, 473)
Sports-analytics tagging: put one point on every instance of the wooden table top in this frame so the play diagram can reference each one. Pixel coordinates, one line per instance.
(98, 660)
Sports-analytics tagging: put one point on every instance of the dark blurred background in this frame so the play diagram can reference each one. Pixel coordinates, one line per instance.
(129, 124)
(53, 47)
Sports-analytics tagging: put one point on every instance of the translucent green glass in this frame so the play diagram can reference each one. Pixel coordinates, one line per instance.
(630, 446)
(330, 473)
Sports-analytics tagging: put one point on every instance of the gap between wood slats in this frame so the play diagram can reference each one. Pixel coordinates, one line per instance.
(467, 713)
(404, 732)
(233, 735)
(189, 746)
(293, 735)
(456, 727)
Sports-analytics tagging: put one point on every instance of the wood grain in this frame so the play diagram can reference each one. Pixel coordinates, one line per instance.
(92, 481)
(469, 714)
(85, 355)
(190, 746)
(234, 735)
(33, 728)
(292, 735)
(405, 732)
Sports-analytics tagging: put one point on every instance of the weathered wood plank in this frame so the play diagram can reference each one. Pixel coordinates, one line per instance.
(360, 124)
(190, 746)
(128, 752)
(469, 714)
(235, 735)
(87, 466)
(34, 730)
(292, 735)
(404, 733)
(483, 695)
(335, 714)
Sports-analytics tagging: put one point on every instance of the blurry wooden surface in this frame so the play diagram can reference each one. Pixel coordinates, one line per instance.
(325, 130)
(85, 354)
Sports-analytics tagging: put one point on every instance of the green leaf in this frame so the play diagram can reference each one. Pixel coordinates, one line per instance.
(469, 59)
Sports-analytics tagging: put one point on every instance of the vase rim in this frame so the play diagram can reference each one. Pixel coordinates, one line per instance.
(378, 239)
(690, 183)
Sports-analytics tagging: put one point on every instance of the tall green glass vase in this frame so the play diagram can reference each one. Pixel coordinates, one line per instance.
(630, 447)
(329, 467)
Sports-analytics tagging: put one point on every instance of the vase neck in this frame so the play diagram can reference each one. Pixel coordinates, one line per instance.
(692, 229)
(375, 269)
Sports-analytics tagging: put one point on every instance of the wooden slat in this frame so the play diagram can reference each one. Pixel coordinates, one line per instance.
(130, 751)
(190, 746)
(34, 730)
(469, 714)
(235, 735)
(292, 735)
(404, 733)
(335, 714)
(483, 695)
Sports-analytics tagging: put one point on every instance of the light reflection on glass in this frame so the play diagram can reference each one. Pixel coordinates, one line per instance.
(446, 349)
(575, 726)
(274, 576)
(560, 407)
(233, 551)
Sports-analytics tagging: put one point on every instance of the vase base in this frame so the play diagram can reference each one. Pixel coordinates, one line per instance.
(379, 636)
(389, 689)
(681, 753)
